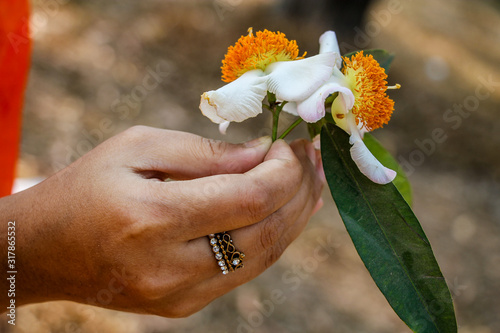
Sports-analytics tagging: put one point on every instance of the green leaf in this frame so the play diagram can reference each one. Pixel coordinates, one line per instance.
(314, 129)
(329, 100)
(389, 240)
(401, 181)
(383, 57)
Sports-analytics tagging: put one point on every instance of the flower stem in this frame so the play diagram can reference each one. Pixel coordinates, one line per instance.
(289, 129)
(276, 117)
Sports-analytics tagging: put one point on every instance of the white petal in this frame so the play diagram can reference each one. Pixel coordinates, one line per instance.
(340, 111)
(210, 110)
(296, 80)
(368, 164)
(340, 78)
(313, 108)
(236, 101)
(291, 107)
(328, 43)
(223, 127)
(343, 103)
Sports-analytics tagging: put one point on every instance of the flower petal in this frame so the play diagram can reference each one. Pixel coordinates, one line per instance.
(368, 164)
(340, 78)
(296, 80)
(209, 109)
(340, 111)
(328, 43)
(223, 127)
(312, 109)
(236, 101)
(343, 103)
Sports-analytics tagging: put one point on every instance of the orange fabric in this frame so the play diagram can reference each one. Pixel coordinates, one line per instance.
(15, 49)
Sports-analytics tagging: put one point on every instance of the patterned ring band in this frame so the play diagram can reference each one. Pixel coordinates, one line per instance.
(227, 256)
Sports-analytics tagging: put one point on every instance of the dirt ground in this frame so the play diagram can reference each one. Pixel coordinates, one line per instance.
(91, 57)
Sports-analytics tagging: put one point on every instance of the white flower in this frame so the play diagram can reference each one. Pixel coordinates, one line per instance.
(312, 108)
(353, 94)
(267, 62)
(255, 57)
(364, 107)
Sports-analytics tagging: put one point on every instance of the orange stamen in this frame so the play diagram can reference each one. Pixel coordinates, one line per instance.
(256, 52)
(372, 106)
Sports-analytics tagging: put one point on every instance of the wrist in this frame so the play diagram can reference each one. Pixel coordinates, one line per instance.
(13, 238)
(43, 267)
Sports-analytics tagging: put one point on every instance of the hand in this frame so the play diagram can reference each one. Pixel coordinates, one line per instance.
(109, 231)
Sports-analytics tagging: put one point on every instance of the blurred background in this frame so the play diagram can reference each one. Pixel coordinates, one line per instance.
(91, 60)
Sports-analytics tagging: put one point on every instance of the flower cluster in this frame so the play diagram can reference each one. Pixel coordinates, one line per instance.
(269, 62)
(266, 66)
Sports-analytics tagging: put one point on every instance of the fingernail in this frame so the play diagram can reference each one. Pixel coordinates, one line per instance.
(263, 143)
(316, 142)
(321, 174)
(318, 206)
(311, 153)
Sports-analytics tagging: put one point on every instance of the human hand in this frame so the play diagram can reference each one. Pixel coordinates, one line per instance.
(108, 231)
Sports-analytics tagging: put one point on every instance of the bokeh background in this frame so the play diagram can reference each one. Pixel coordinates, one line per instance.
(89, 63)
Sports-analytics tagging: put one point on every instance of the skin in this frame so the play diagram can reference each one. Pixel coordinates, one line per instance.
(108, 231)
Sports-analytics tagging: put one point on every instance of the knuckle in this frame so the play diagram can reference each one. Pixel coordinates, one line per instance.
(295, 168)
(273, 255)
(151, 288)
(271, 232)
(185, 309)
(135, 135)
(136, 131)
(207, 151)
(258, 203)
(291, 176)
(146, 290)
(212, 148)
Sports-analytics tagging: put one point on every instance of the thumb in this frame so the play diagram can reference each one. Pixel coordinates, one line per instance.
(190, 156)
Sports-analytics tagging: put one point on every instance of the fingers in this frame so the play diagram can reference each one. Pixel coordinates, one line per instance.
(182, 155)
(288, 222)
(262, 242)
(279, 230)
(268, 238)
(227, 202)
